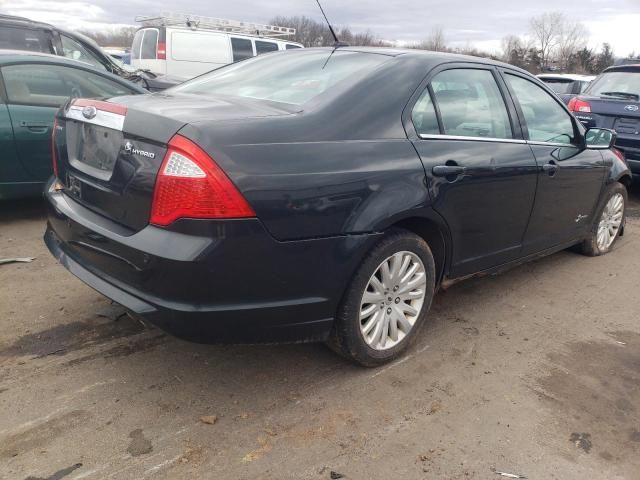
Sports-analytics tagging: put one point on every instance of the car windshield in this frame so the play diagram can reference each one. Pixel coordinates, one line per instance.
(559, 86)
(623, 85)
(293, 78)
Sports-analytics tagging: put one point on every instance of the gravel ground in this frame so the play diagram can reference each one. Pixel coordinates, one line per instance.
(533, 372)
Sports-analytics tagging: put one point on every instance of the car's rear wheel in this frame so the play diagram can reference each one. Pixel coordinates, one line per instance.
(609, 222)
(387, 300)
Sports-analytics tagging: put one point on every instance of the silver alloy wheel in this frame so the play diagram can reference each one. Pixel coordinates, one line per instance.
(392, 300)
(610, 221)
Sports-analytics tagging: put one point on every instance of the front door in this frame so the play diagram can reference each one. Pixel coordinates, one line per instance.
(482, 177)
(570, 177)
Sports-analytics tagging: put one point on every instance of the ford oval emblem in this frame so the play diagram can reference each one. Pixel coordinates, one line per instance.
(631, 108)
(89, 112)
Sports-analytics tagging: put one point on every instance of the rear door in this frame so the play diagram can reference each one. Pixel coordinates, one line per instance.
(34, 94)
(570, 177)
(482, 174)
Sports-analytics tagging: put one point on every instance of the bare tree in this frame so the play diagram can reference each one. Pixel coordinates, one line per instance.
(435, 41)
(546, 30)
(312, 33)
(122, 37)
(571, 39)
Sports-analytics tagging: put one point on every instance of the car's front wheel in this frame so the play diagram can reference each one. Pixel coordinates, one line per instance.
(609, 222)
(387, 300)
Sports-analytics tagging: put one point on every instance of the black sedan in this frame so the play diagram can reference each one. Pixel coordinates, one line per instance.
(324, 194)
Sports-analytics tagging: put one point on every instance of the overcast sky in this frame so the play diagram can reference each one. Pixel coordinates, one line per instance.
(479, 23)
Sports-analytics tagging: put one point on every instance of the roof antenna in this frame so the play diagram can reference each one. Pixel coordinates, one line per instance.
(337, 42)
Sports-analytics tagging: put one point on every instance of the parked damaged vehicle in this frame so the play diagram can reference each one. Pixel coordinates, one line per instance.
(324, 194)
(19, 33)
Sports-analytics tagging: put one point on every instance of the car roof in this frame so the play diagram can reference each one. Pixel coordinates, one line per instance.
(565, 76)
(23, 22)
(633, 67)
(427, 56)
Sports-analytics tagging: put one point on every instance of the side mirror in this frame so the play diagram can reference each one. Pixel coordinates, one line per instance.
(600, 138)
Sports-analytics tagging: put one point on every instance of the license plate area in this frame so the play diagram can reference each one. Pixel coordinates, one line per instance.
(74, 186)
(93, 149)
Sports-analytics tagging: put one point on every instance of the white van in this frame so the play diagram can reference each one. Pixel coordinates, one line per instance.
(188, 45)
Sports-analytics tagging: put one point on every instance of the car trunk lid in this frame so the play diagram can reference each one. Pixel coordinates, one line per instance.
(109, 153)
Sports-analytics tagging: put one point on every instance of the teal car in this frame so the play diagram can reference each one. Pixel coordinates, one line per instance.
(32, 88)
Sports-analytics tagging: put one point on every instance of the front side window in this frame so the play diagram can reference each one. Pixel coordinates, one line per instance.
(293, 79)
(52, 85)
(265, 47)
(149, 44)
(241, 48)
(471, 104)
(73, 49)
(546, 120)
(291, 46)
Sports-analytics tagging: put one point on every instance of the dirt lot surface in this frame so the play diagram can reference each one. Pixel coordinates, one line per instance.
(533, 372)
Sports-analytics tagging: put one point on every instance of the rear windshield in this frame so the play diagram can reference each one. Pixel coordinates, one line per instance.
(284, 77)
(622, 85)
(560, 86)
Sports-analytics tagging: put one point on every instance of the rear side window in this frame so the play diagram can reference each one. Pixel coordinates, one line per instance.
(25, 39)
(424, 115)
(291, 46)
(52, 85)
(149, 44)
(545, 119)
(241, 48)
(471, 104)
(264, 47)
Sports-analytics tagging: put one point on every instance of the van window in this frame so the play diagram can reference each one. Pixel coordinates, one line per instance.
(24, 39)
(241, 48)
(199, 47)
(135, 47)
(149, 44)
(264, 47)
(291, 46)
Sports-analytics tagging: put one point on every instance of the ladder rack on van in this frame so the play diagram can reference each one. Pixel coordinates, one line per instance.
(199, 22)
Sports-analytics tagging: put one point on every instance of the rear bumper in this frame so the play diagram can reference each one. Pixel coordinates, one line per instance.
(208, 281)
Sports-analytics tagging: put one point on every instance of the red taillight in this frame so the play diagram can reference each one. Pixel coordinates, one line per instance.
(54, 157)
(191, 185)
(161, 52)
(579, 106)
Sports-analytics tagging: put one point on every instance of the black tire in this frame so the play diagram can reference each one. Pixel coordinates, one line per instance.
(590, 246)
(346, 337)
